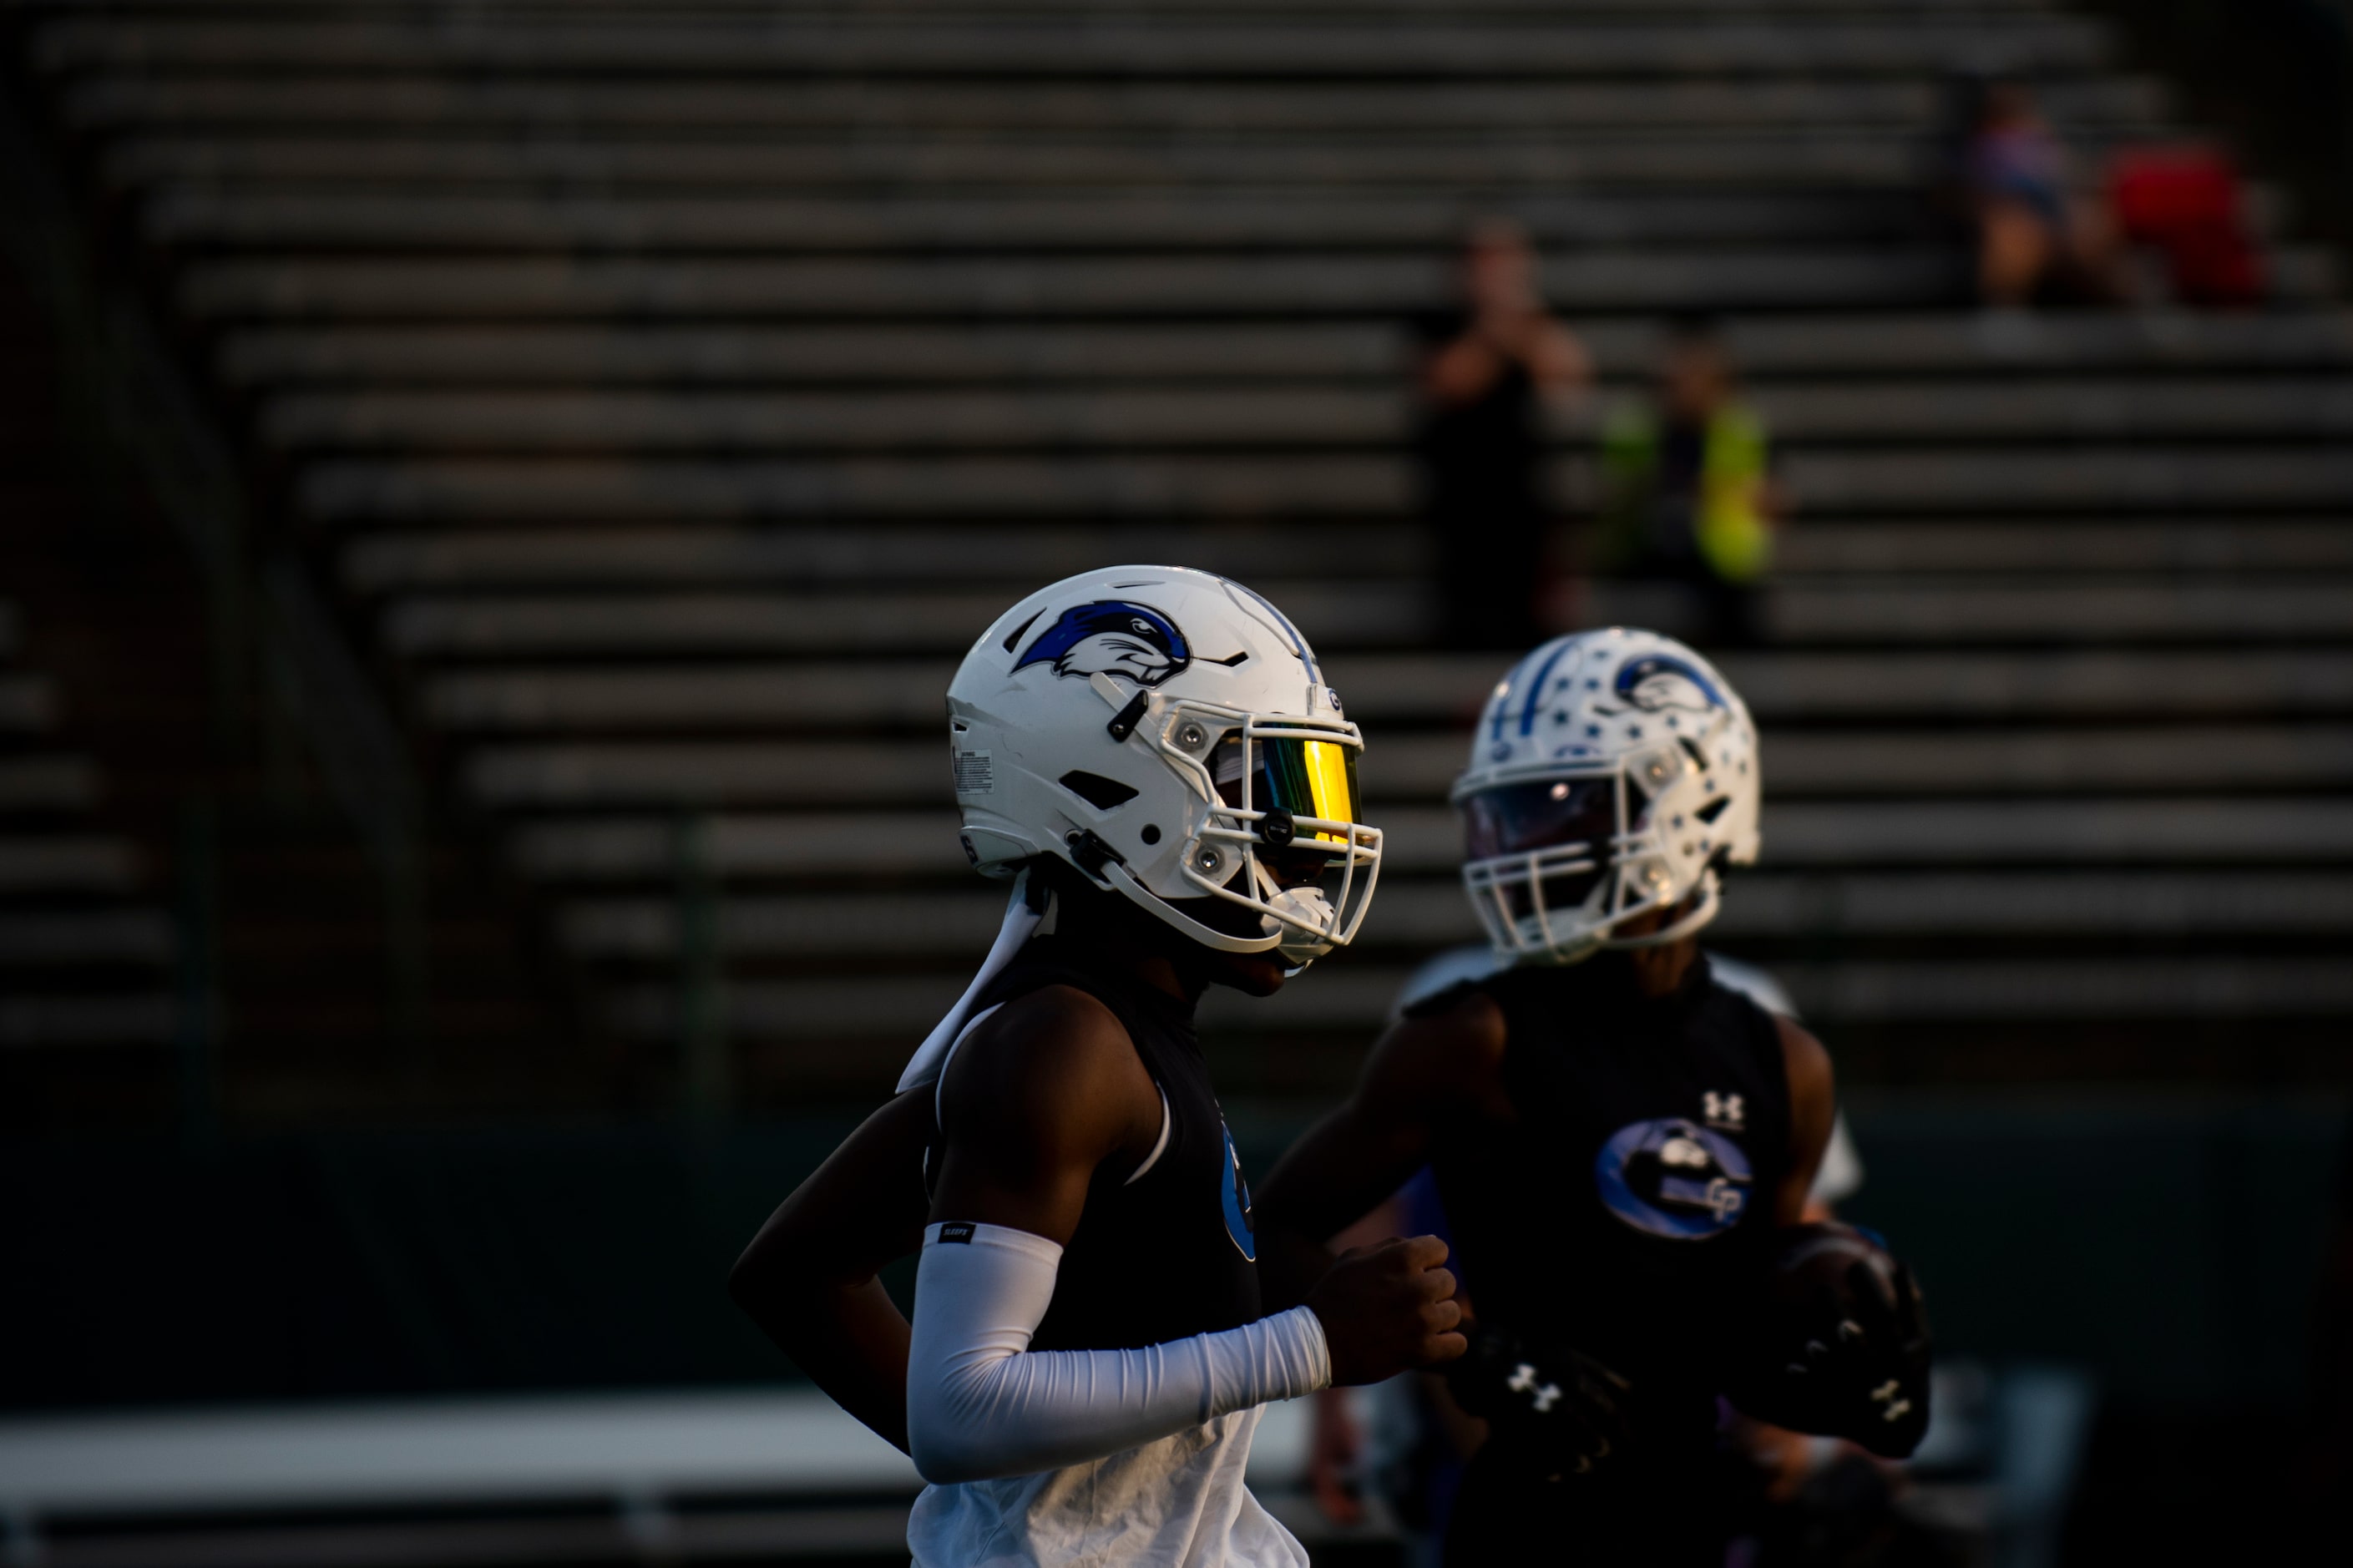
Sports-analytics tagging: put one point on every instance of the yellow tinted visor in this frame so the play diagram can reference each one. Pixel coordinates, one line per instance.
(1307, 778)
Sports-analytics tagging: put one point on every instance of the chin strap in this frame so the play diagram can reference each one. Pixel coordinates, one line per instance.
(1207, 936)
(1021, 924)
(1702, 912)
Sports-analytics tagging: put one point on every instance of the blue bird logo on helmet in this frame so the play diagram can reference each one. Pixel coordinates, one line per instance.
(1111, 637)
(1659, 682)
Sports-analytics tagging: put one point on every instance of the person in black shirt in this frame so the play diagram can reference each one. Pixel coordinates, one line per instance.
(1625, 1146)
(1486, 371)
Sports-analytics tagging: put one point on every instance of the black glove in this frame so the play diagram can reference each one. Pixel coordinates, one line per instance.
(1849, 1356)
(1564, 1410)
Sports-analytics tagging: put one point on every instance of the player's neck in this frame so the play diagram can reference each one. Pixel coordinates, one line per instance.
(1660, 971)
(1156, 970)
(1161, 973)
(1112, 935)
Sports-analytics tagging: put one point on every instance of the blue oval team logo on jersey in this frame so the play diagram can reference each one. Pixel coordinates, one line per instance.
(1673, 1178)
(1111, 637)
(1237, 1204)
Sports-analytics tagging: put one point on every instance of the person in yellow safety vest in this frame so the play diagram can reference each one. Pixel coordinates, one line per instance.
(1687, 489)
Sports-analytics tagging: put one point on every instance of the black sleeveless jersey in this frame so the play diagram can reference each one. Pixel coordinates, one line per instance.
(1623, 1211)
(1171, 1254)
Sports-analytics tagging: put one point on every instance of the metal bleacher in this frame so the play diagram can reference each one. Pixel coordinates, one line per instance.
(88, 947)
(672, 391)
(85, 951)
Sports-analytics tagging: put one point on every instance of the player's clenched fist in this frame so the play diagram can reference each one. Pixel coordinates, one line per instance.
(1388, 1308)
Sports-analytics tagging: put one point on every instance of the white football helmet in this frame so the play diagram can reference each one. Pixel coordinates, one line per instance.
(1613, 771)
(1169, 733)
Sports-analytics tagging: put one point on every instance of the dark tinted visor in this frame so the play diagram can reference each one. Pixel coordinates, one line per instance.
(1514, 819)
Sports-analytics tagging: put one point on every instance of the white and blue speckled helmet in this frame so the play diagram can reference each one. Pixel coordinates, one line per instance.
(1614, 772)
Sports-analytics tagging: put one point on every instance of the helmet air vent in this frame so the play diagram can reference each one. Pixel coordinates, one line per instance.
(1097, 791)
(1015, 635)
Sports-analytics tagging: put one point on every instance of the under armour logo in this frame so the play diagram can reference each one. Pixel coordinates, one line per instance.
(1541, 1395)
(1887, 1393)
(1726, 1110)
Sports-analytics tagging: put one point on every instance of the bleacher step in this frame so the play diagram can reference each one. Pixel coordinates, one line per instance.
(1446, 690)
(1883, 762)
(2111, 830)
(971, 47)
(1248, 415)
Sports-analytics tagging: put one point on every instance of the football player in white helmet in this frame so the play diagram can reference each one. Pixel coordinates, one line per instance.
(1152, 757)
(1624, 1146)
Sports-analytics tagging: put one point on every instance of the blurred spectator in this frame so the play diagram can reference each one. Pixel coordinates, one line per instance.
(2036, 233)
(2188, 205)
(1688, 494)
(1486, 370)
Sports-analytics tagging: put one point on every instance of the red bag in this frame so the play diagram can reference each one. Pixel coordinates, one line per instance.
(2187, 203)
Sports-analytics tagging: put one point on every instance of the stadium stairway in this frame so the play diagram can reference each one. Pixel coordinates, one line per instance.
(673, 392)
(187, 932)
(90, 981)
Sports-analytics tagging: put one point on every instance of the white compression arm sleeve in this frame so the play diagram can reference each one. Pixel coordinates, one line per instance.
(981, 1402)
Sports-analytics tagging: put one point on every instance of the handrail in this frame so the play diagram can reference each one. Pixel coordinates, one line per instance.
(706, 1077)
(110, 367)
(366, 764)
